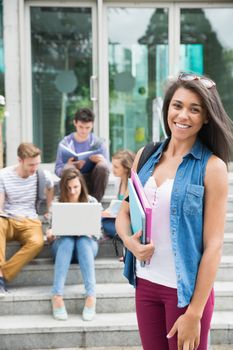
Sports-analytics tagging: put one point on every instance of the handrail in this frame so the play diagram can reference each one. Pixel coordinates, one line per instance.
(157, 120)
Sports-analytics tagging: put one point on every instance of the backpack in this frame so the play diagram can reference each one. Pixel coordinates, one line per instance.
(148, 150)
(41, 200)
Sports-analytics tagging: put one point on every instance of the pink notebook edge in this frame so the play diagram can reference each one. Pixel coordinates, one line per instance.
(142, 197)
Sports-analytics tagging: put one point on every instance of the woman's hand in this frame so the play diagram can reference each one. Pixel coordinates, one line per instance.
(142, 252)
(96, 158)
(49, 235)
(106, 214)
(188, 330)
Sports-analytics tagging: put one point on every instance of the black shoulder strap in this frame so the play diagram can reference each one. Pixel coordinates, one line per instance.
(37, 188)
(41, 184)
(148, 150)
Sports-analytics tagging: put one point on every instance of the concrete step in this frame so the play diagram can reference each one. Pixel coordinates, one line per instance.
(230, 177)
(106, 330)
(108, 270)
(106, 249)
(113, 186)
(230, 203)
(220, 347)
(211, 347)
(229, 223)
(40, 272)
(111, 298)
(116, 348)
(223, 296)
(225, 271)
(37, 331)
(107, 199)
(222, 328)
(228, 244)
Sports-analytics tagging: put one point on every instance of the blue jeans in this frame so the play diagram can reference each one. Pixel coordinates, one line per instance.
(109, 226)
(84, 250)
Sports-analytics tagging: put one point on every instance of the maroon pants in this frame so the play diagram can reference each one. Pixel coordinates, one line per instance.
(157, 311)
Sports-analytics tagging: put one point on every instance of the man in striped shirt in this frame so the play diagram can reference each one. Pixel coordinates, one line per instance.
(18, 217)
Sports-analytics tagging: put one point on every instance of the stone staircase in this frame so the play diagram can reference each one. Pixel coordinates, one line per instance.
(222, 322)
(25, 314)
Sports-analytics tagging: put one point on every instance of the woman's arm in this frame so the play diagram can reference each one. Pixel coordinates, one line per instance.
(123, 228)
(216, 190)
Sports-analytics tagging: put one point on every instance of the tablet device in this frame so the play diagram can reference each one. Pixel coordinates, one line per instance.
(76, 219)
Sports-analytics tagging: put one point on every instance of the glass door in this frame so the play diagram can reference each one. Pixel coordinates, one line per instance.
(61, 71)
(148, 44)
(206, 46)
(138, 67)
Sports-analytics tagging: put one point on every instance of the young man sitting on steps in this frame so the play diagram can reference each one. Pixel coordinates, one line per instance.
(18, 217)
(84, 140)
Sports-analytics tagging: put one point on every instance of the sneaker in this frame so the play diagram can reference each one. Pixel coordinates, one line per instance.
(3, 290)
(59, 313)
(89, 313)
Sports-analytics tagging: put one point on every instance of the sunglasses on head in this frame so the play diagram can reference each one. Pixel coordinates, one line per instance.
(208, 83)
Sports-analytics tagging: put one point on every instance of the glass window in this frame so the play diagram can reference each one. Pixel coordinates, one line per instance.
(207, 47)
(138, 66)
(2, 89)
(61, 40)
(2, 69)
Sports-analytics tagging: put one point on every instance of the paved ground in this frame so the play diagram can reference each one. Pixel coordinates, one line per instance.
(222, 347)
(214, 347)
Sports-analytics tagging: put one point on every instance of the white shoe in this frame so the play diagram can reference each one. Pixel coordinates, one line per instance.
(88, 313)
(3, 291)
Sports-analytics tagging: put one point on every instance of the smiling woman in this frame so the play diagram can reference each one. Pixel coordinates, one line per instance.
(216, 132)
(188, 220)
(186, 114)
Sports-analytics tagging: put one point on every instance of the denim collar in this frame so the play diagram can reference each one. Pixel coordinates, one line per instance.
(196, 150)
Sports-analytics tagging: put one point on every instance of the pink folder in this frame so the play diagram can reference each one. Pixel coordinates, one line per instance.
(145, 204)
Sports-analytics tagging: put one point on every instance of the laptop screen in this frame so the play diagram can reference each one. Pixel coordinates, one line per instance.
(76, 219)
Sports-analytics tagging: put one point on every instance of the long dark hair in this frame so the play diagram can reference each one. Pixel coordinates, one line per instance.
(70, 174)
(217, 135)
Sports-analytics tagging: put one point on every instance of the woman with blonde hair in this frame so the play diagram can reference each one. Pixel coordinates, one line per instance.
(122, 162)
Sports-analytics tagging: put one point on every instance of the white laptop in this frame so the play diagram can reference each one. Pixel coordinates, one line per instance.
(76, 219)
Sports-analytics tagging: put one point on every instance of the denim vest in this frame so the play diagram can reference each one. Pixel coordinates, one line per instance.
(186, 215)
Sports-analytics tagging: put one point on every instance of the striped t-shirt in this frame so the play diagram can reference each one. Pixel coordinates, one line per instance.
(20, 193)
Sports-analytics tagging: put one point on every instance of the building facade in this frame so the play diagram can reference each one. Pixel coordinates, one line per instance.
(112, 56)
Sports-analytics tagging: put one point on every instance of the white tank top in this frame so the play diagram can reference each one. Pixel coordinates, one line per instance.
(161, 269)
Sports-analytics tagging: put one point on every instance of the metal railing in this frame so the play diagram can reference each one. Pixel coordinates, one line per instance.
(158, 129)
